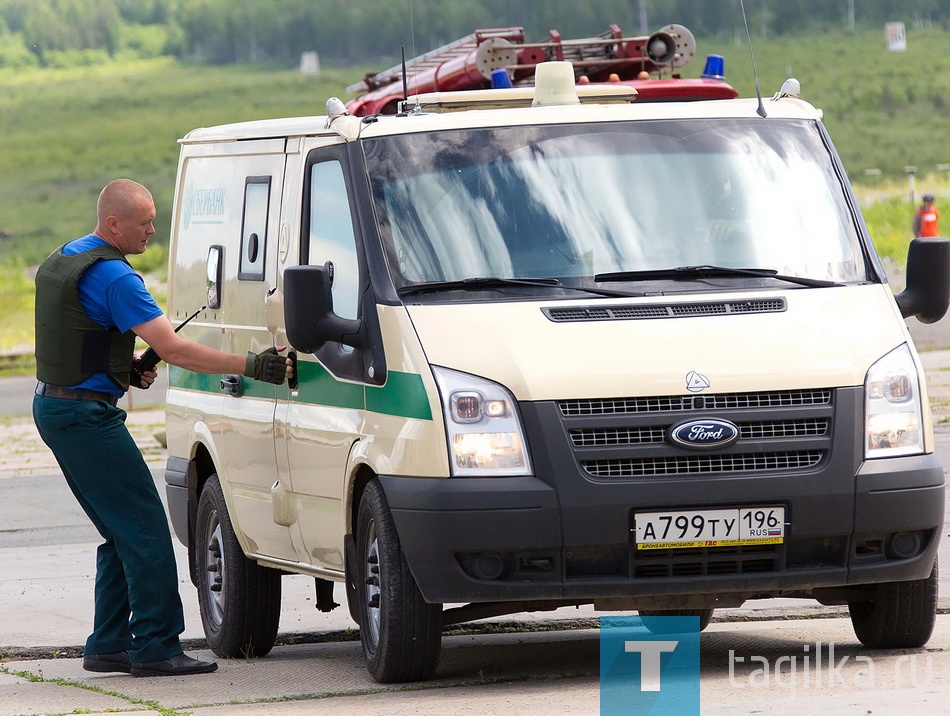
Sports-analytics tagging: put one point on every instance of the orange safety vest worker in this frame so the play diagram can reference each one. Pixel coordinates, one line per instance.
(925, 221)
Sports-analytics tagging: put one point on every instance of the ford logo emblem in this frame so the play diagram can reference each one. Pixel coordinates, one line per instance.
(707, 434)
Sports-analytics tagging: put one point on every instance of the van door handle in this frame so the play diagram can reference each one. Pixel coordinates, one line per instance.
(292, 382)
(233, 384)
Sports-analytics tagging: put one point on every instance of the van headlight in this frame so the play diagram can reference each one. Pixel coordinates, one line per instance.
(483, 427)
(892, 406)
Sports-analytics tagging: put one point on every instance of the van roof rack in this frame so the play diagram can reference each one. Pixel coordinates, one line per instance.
(439, 102)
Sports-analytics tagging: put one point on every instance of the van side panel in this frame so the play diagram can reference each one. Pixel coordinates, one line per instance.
(229, 197)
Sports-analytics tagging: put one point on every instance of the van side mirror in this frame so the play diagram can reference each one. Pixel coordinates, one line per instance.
(308, 311)
(927, 292)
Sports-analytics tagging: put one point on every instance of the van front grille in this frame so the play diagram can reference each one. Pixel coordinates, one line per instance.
(694, 562)
(629, 438)
(586, 437)
(692, 464)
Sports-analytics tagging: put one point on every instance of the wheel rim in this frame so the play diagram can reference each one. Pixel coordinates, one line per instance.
(372, 583)
(214, 580)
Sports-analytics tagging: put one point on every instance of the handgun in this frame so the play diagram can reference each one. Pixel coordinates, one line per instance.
(150, 357)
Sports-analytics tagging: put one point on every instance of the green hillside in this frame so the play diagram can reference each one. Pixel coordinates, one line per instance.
(885, 110)
(68, 132)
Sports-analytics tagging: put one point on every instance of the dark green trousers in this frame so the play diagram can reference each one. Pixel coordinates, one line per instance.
(138, 607)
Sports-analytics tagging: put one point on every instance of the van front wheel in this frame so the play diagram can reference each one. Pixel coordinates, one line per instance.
(239, 599)
(896, 615)
(401, 634)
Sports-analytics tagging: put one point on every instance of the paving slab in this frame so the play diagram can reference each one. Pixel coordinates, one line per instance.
(575, 696)
(20, 696)
(310, 671)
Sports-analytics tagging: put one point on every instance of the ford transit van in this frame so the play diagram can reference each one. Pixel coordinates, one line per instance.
(552, 348)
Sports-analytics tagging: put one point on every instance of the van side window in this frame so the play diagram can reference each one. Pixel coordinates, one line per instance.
(331, 235)
(254, 228)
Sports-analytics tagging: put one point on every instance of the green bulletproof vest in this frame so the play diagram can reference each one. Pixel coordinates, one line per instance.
(70, 346)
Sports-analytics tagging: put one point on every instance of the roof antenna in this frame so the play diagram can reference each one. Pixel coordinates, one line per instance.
(760, 110)
(405, 80)
(405, 77)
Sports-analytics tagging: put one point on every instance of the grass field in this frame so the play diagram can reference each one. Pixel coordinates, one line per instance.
(885, 110)
(66, 132)
(16, 297)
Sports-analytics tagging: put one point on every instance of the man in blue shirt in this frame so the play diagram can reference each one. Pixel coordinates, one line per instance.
(90, 306)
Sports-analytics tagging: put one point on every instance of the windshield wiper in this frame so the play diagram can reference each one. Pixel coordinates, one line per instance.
(477, 283)
(690, 272)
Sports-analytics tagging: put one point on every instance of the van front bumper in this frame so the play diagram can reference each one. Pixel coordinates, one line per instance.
(502, 539)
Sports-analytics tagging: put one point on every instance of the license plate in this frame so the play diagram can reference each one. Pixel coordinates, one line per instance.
(709, 528)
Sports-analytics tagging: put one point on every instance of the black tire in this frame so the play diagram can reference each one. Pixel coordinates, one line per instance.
(898, 615)
(351, 568)
(239, 599)
(660, 626)
(401, 634)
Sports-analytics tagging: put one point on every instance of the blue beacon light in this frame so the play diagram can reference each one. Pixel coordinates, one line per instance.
(500, 79)
(715, 68)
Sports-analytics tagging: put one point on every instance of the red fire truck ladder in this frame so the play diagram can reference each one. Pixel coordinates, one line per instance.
(468, 63)
(435, 58)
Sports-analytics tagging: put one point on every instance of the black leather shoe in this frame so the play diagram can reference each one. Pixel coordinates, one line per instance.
(179, 665)
(107, 663)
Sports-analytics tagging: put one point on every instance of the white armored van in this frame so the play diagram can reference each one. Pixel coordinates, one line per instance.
(551, 349)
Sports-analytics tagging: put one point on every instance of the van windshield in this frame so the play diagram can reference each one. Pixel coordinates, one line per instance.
(627, 202)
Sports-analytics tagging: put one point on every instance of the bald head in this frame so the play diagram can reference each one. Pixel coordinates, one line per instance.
(119, 198)
(125, 212)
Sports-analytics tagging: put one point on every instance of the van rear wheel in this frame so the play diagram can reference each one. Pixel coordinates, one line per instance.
(401, 634)
(659, 626)
(897, 615)
(239, 599)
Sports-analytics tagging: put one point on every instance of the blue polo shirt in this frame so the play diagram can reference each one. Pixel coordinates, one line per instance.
(114, 296)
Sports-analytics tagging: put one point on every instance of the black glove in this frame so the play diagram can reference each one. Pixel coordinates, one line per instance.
(269, 366)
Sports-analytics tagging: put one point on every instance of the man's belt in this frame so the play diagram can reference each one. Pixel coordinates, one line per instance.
(58, 391)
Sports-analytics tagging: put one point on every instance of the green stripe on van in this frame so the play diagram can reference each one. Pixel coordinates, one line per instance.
(404, 393)
(181, 378)
(315, 385)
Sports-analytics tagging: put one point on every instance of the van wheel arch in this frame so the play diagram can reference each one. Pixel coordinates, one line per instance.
(361, 479)
(203, 467)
